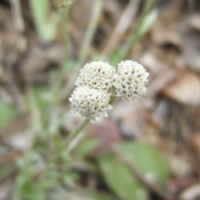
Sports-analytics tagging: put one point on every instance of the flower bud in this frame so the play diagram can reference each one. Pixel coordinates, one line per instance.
(90, 103)
(97, 75)
(130, 81)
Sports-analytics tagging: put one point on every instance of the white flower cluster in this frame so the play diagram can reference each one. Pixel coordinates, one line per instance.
(90, 103)
(130, 81)
(97, 75)
(98, 82)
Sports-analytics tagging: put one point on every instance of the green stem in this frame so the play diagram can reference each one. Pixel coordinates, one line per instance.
(139, 32)
(112, 100)
(39, 11)
(75, 133)
(148, 6)
(61, 75)
(96, 11)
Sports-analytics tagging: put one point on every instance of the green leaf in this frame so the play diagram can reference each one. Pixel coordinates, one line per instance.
(46, 28)
(148, 22)
(58, 143)
(44, 7)
(32, 191)
(87, 194)
(101, 196)
(8, 112)
(120, 179)
(70, 64)
(114, 57)
(148, 160)
(87, 147)
(50, 28)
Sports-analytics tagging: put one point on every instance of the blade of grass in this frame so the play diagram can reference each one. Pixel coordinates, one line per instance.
(146, 21)
(64, 16)
(39, 10)
(96, 12)
(121, 27)
(46, 29)
(74, 134)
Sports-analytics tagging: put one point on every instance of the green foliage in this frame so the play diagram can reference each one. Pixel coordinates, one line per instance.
(87, 147)
(146, 22)
(32, 191)
(47, 166)
(122, 181)
(5, 171)
(96, 195)
(102, 196)
(8, 112)
(69, 64)
(148, 159)
(46, 29)
(114, 58)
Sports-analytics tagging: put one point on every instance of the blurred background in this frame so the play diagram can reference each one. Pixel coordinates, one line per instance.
(147, 150)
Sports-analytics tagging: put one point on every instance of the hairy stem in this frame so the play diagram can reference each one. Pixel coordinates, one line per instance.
(75, 133)
(96, 12)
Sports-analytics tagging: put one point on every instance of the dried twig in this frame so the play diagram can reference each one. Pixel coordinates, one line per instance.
(121, 27)
(19, 25)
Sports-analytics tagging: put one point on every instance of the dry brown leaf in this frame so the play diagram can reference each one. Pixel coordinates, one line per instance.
(195, 142)
(166, 28)
(5, 189)
(162, 36)
(161, 74)
(190, 47)
(157, 84)
(153, 65)
(129, 119)
(179, 165)
(175, 185)
(18, 134)
(39, 59)
(185, 90)
(191, 193)
(194, 21)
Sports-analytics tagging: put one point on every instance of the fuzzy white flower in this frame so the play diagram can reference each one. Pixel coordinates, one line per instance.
(90, 103)
(130, 81)
(97, 75)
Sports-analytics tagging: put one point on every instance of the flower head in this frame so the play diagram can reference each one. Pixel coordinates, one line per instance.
(90, 103)
(130, 81)
(97, 75)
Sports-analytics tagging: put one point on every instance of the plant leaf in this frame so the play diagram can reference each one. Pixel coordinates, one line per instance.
(8, 112)
(32, 192)
(120, 179)
(148, 159)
